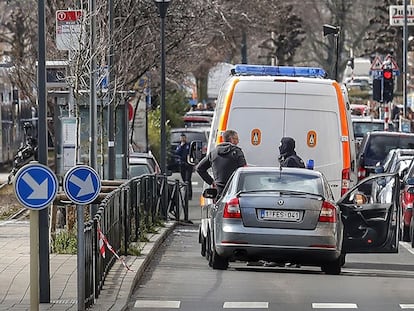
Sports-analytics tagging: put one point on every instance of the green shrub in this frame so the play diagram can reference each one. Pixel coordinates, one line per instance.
(65, 242)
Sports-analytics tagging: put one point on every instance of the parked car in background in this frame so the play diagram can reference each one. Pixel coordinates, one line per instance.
(397, 161)
(363, 125)
(193, 134)
(359, 83)
(190, 121)
(376, 145)
(359, 110)
(198, 118)
(200, 113)
(288, 215)
(142, 163)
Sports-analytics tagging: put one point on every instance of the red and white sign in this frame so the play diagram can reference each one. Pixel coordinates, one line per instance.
(390, 61)
(376, 63)
(69, 30)
(397, 16)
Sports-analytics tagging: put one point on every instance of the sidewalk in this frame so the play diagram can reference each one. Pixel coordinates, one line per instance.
(15, 273)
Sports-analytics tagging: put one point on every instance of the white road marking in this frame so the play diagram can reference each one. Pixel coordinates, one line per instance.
(171, 304)
(407, 246)
(334, 306)
(407, 306)
(245, 305)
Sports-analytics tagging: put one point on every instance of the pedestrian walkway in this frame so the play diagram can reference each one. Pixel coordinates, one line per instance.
(15, 273)
(119, 283)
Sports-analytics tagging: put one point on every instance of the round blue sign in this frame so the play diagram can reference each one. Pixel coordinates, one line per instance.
(35, 186)
(82, 184)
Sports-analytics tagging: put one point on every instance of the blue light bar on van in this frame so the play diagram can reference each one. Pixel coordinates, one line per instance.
(261, 70)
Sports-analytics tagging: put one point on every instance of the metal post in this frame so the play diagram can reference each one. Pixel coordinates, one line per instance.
(44, 269)
(92, 85)
(34, 260)
(163, 110)
(93, 113)
(111, 97)
(162, 8)
(81, 257)
(405, 47)
(337, 54)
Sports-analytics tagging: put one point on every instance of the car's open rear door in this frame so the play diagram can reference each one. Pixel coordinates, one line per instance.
(372, 218)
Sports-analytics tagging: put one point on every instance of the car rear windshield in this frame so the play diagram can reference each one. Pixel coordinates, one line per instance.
(360, 128)
(379, 146)
(281, 182)
(175, 137)
(138, 170)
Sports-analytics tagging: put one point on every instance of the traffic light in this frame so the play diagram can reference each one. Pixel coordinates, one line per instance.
(388, 85)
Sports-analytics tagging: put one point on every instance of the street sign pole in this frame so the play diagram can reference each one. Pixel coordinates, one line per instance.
(405, 47)
(35, 187)
(34, 260)
(80, 209)
(82, 185)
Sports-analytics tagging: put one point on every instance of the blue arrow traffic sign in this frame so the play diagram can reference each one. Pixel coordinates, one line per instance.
(35, 186)
(82, 184)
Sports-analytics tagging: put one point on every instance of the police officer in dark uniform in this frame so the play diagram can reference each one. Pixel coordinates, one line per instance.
(287, 154)
(224, 160)
(186, 169)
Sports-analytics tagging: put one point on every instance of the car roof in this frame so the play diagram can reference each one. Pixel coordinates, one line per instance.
(206, 113)
(190, 129)
(364, 119)
(138, 160)
(263, 169)
(141, 155)
(386, 133)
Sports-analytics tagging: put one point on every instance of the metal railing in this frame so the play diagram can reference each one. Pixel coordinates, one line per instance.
(123, 217)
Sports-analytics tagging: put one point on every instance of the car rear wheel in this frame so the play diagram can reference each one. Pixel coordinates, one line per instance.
(218, 262)
(334, 267)
(203, 245)
(215, 261)
(342, 259)
(406, 233)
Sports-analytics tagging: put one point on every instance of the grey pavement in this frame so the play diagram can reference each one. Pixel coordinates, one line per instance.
(15, 272)
(118, 286)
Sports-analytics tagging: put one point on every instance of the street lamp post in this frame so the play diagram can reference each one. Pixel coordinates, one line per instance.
(333, 30)
(162, 6)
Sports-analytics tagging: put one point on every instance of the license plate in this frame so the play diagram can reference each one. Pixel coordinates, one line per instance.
(280, 215)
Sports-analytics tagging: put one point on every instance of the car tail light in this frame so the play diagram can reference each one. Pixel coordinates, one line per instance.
(232, 209)
(345, 181)
(362, 173)
(328, 212)
(408, 199)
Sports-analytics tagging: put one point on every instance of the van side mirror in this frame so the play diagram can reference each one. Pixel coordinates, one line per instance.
(195, 154)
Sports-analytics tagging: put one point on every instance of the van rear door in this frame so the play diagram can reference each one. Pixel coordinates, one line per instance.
(263, 111)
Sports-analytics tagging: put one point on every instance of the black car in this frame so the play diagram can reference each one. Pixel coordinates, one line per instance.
(375, 146)
(192, 134)
(363, 125)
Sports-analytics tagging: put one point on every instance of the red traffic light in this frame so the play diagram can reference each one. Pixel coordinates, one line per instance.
(387, 74)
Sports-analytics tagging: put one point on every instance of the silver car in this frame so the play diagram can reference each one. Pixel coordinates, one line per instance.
(289, 215)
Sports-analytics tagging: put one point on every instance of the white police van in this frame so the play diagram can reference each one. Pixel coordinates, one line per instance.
(265, 103)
